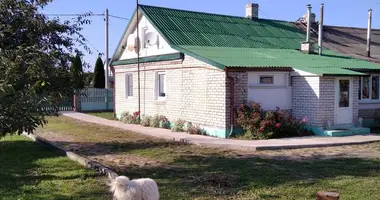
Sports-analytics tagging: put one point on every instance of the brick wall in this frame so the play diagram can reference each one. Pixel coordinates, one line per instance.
(305, 98)
(314, 98)
(195, 91)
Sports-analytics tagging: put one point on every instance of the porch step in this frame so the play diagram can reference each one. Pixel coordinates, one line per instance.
(347, 132)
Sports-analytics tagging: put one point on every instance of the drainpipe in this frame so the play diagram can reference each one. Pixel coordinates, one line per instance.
(320, 31)
(369, 33)
(232, 102)
(308, 22)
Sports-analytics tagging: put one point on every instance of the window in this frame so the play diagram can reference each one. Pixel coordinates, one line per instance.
(160, 88)
(369, 88)
(128, 85)
(266, 79)
(344, 93)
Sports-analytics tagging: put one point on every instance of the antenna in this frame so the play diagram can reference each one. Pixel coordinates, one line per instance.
(151, 38)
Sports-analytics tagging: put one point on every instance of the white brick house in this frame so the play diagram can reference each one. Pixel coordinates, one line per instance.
(199, 67)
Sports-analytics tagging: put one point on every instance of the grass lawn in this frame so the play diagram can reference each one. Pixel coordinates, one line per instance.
(193, 172)
(105, 115)
(31, 171)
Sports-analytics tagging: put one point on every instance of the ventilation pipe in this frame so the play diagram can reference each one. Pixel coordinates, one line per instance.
(369, 33)
(320, 31)
(308, 23)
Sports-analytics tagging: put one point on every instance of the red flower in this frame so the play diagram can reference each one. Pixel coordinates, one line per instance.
(266, 123)
(278, 125)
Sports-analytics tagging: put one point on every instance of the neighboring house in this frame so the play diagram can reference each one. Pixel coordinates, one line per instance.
(199, 67)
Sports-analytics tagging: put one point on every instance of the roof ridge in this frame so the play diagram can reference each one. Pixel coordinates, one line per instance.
(349, 27)
(209, 13)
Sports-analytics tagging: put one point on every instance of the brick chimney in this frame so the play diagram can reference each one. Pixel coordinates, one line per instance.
(252, 11)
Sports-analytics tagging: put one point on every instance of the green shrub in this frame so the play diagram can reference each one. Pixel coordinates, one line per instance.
(179, 126)
(195, 130)
(164, 122)
(271, 124)
(127, 118)
(145, 121)
(155, 121)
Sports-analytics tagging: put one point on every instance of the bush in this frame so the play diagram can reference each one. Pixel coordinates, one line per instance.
(145, 121)
(164, 122)
(195, 130)
(271, 124)
(179, 126)
(155, 122)
(130, 119)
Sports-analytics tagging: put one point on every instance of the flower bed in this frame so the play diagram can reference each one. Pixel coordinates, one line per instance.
(258, 124)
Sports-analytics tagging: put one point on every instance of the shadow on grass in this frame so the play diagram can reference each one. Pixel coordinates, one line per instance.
(33, 171)
(222, 177)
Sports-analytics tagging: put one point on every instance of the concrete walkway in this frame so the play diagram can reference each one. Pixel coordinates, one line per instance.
(287, 143)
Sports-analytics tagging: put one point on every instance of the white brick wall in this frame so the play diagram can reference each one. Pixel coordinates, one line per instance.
(314, 98)
(195, 91)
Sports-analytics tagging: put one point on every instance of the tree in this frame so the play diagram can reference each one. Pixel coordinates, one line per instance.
(88, 78)
(76, 73)
(99, 79)
(35, 53)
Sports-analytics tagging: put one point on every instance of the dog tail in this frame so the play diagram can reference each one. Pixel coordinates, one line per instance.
(120, 182)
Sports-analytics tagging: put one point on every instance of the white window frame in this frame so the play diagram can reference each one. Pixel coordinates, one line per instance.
(266, 76)
(157, 88)
(127, 86)
(369, 100)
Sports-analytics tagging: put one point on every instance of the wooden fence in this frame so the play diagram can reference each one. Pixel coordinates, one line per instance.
(95, 99)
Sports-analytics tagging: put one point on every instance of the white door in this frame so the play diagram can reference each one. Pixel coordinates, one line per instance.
(343, 101)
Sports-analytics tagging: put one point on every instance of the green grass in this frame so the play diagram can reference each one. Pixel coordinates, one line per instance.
(105, 115)
(193, 172)
(31, 171)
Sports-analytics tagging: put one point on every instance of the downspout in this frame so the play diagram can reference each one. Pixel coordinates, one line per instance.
(114, 91)
(232, 102)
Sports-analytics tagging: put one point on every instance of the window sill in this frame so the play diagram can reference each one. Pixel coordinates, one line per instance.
(161, 99)
(369, 101)
(129, 98)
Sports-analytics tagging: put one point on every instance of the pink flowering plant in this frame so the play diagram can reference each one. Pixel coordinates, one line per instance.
(258, 124)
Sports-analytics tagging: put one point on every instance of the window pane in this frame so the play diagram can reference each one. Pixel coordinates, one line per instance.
(344, 93)
(266, 79)
(161, 85)
(129, 85)
(375, 87)
(365, 89)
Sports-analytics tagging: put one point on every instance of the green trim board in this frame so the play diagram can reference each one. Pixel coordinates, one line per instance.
(157, 58)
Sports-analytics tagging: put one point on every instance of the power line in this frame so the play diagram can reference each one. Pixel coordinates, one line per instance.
(264, 13)
(119, 17)
(71, 15)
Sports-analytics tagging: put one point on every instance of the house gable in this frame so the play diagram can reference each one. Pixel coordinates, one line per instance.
(146, 29)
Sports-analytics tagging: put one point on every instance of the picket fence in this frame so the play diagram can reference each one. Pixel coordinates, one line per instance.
(96, 99)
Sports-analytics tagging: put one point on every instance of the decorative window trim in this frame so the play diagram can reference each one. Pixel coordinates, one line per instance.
(128, 87)
(157, 88)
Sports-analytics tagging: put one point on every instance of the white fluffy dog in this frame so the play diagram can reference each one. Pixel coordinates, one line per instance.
(138, 189)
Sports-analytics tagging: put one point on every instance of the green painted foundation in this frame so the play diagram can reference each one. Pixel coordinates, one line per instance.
(340, 131)
(214, 132)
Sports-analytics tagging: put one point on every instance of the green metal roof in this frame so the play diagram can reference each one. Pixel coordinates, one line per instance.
(228, 41)
(202, 29)
(260, 57)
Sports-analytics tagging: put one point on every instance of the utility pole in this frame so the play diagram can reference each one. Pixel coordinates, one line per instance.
(106, 62)
(138, 57)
